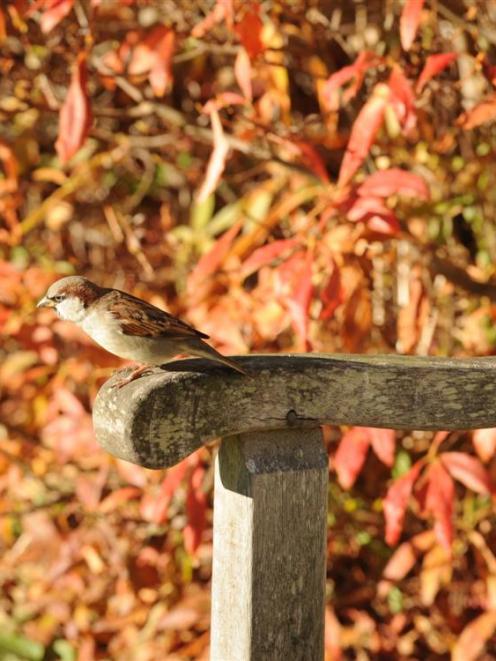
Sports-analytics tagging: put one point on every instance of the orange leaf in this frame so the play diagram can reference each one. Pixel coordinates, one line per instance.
(161, 72)
(400, 563)
(242, 72)
(223, 10)
(363, 133)
(350, 455)
(332, 295)
(217, 161)
(312, 158)
(469, 471)
(483, 112)
(295, 275)
(409, 22)
(394, 181)
(53, 11)
(212, 260)
(484, 441)
(474, 636)
(439, 501)
(75, 114)
(434, 65)
(396, 502)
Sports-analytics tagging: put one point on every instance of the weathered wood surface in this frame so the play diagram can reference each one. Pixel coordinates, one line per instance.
(162, 417)
(268, 584)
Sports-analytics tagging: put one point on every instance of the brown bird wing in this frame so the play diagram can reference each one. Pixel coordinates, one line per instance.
(139, 318)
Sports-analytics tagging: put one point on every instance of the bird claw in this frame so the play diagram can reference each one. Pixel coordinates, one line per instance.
(135, 374)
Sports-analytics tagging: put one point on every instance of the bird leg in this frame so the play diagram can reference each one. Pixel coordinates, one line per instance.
(137, 372)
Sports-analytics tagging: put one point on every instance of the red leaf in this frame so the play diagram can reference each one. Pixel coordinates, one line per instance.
(249, 30)
(266, 255)
(383, 443)
(312, 159)
(161, 72)
(483, 112)
(409, 22)
(363, 133)
(402, 99)
(75, 114)
(53, 11)
(363, 207)
(387, 224)
(439, 501)
(434, 65)
(212, 260)
(350, 455)
(396, 502)
(468, 470)
(242, 72)
(332, 295)
(484, 441)
(217, 161)
(196, 507)
(394, 181)
(470, 643)
(355, 71)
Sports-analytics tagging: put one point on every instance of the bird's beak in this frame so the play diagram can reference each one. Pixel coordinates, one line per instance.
(45, 303)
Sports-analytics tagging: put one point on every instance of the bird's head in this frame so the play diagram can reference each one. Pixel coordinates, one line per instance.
(71, 297)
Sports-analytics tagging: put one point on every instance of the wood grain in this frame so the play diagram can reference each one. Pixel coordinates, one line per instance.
(269, 547)
(163, 416)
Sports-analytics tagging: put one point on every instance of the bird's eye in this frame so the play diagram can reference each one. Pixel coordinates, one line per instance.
(57, 299)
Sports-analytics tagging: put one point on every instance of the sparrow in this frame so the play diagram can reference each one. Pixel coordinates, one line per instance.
(127, 326)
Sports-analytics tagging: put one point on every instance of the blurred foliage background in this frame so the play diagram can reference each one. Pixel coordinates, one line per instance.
(286, 176)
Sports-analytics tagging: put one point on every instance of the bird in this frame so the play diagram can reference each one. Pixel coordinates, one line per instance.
(128, 326)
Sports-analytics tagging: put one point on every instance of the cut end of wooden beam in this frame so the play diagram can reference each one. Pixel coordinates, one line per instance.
(165, 415)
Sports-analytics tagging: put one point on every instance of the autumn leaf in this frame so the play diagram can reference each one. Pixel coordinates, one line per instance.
(160, 76)
(52, 12)
(353, 72)
(402, 99)
(363, 133)
(471, 642)
(439, 501)
(350, 455)
(396, 502)
(311, 157)
(409, 22)
(266, 255)
(295, 275)
(332, 294)
(223, 10)
(434, 65)
(75, 115)
(394, 181)
(242, 72)
(217, 161)
(210, 262)
(249, 29)
(196, 506)
(383, 442)
(469, 471)
(483, 112)
(484, 441)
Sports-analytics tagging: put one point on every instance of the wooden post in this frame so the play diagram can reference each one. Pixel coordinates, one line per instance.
(270, 517)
